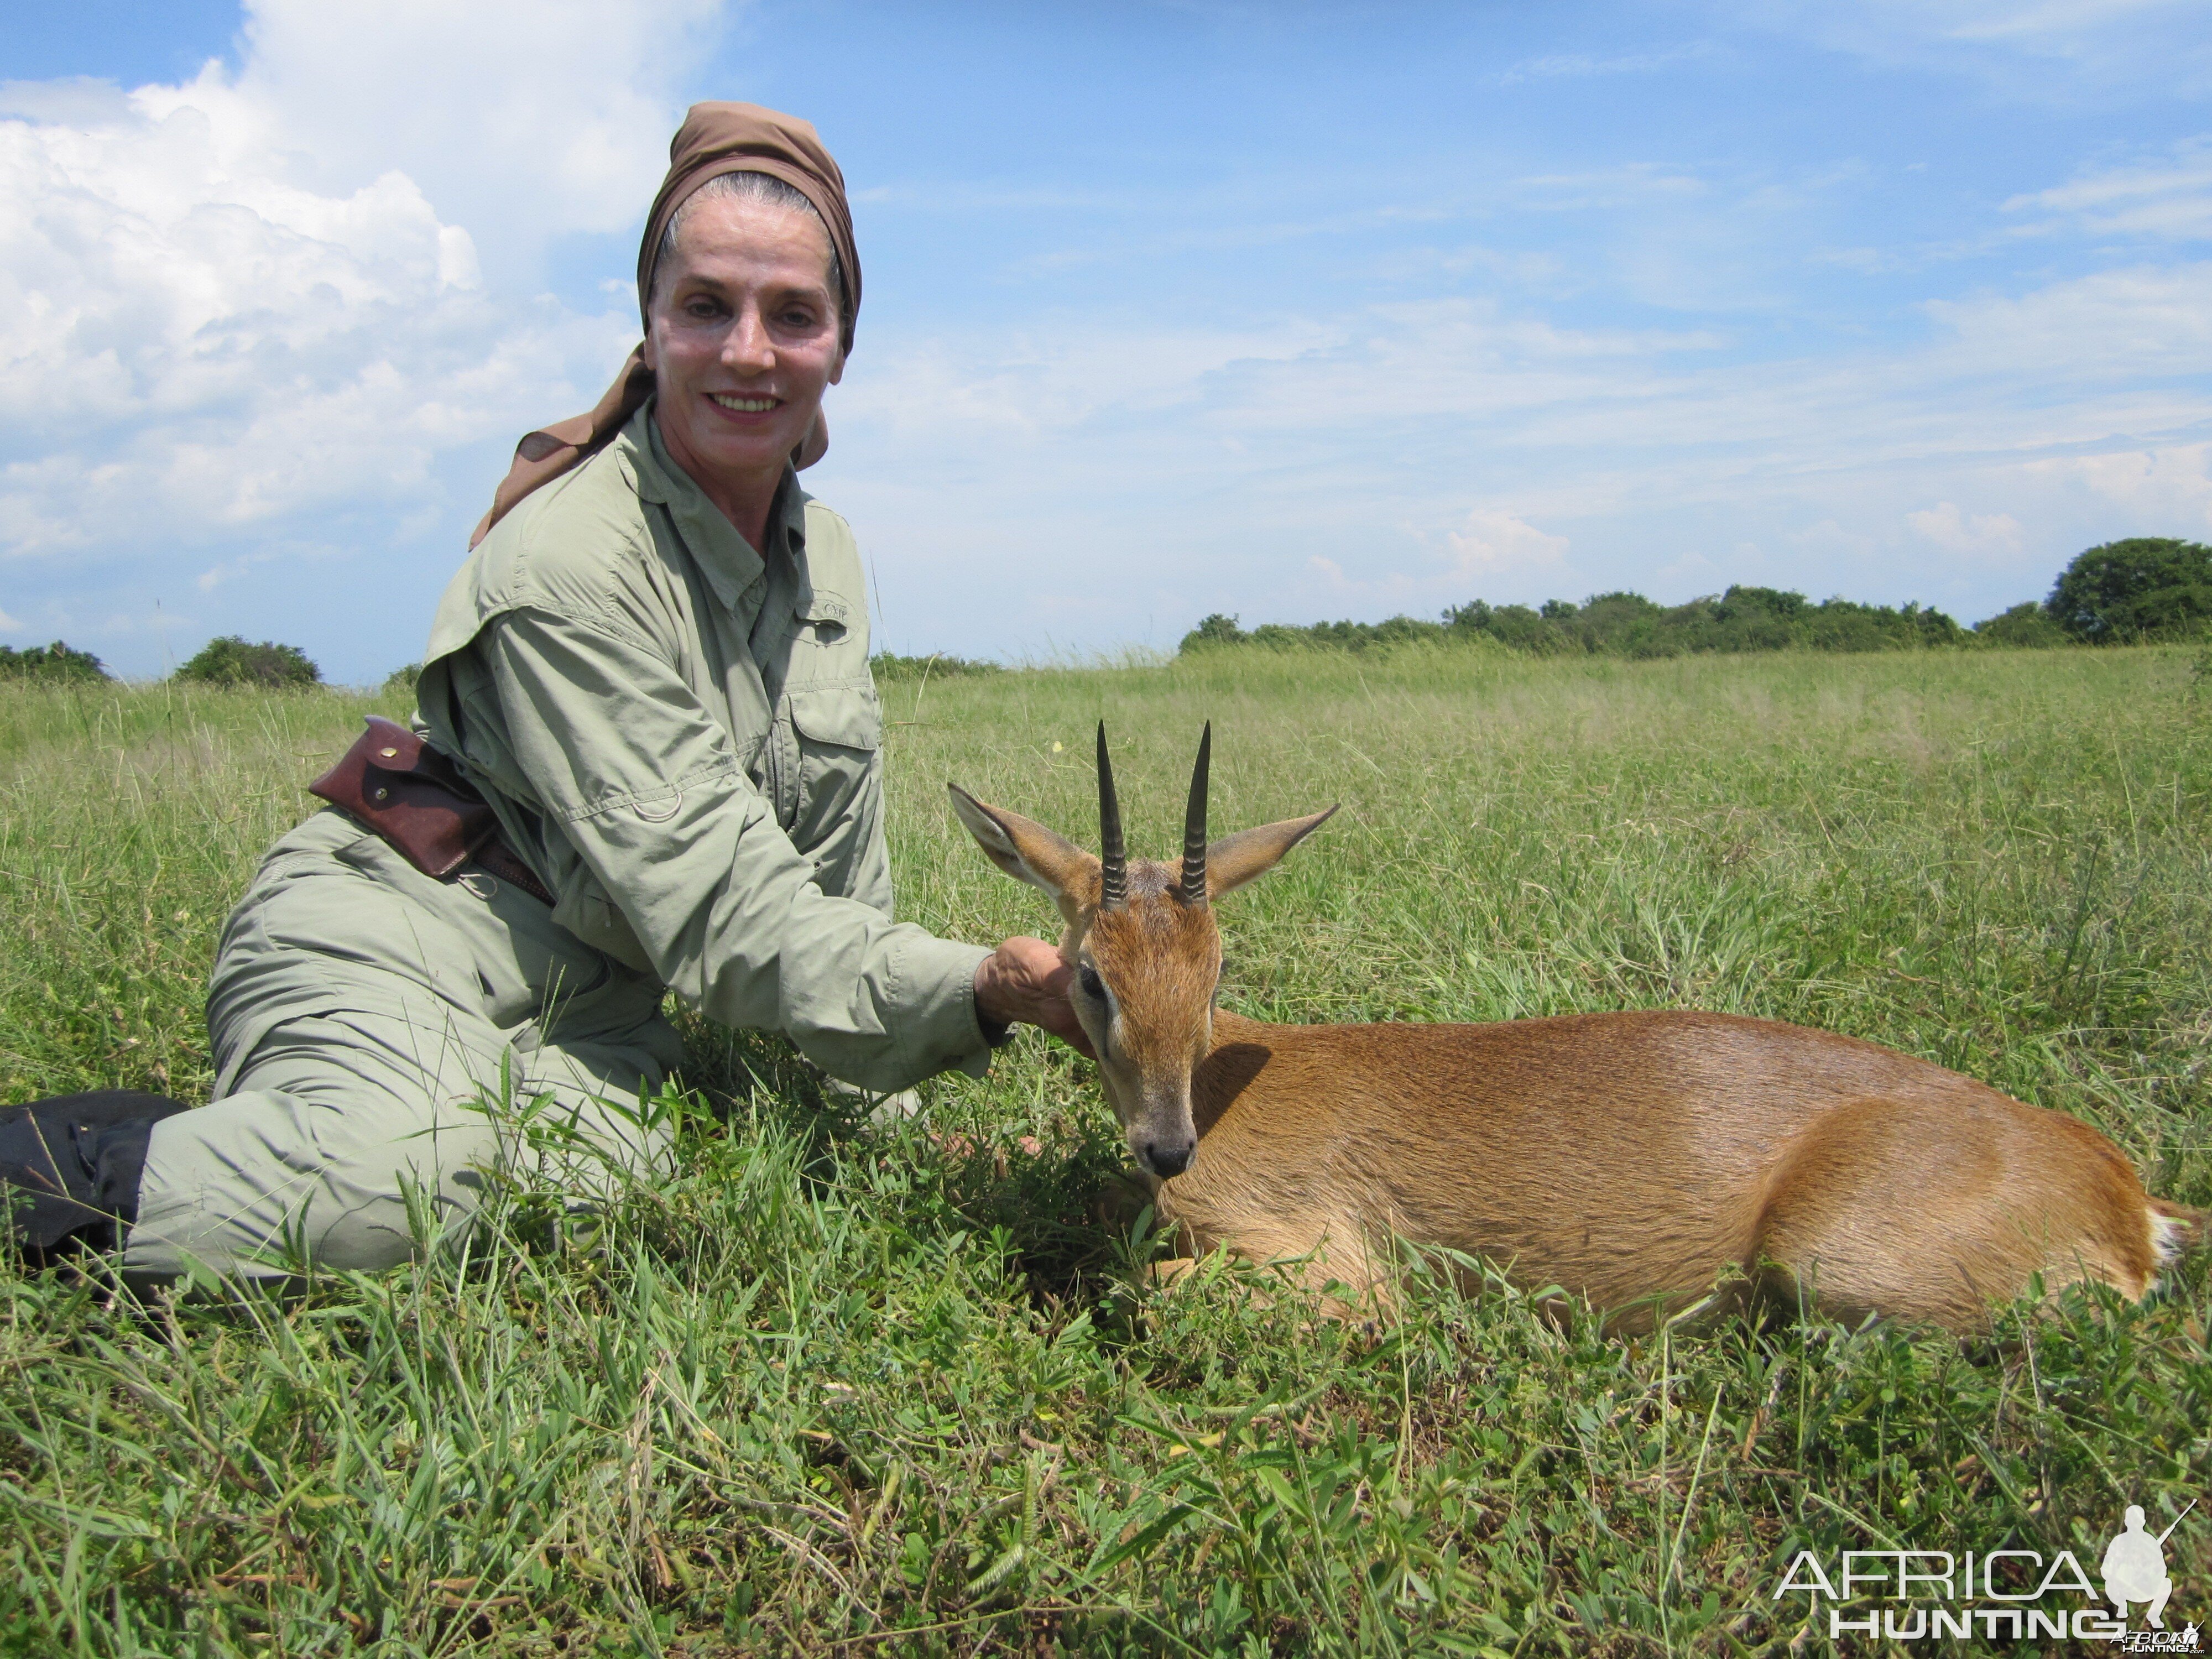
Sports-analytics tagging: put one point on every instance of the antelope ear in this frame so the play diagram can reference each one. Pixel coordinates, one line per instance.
(1029, 851)
(1250, 854)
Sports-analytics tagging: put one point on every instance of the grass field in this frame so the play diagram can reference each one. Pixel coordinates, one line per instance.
(839, 1390)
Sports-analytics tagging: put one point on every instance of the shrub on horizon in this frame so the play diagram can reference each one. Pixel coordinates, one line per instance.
(890, 665)
(231, 661)
(53, 665)
(2138, 588)
(1216, 629)
(2027, 623)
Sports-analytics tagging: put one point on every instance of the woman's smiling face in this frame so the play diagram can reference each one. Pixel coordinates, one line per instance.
(742, 342)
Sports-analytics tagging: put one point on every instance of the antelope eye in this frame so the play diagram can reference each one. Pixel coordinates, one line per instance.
(1092, 985)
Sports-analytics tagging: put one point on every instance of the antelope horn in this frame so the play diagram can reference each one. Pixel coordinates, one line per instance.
(1194, 824)
(1113, 863)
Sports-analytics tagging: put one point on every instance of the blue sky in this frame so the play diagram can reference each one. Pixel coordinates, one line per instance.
(1290, 311)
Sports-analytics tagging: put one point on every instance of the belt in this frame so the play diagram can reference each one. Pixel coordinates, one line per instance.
(501, 860)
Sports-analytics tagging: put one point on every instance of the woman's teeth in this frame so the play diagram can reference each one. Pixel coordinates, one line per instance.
(745, 405)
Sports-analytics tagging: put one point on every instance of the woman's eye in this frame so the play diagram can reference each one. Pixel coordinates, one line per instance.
(1092, 985)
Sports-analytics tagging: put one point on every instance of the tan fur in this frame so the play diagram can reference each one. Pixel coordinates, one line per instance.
(1635, 1159)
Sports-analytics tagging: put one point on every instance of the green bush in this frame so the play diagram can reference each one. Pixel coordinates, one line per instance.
(1216, 629)
(890, 665)
(1220, 630)
(231, 661)
(400, 682)
(52, 665)
(2027, 623)
(2134, 589)
(1514, 625)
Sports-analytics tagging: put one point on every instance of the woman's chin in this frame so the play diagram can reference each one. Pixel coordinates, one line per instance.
(717, 448)
(737, 454)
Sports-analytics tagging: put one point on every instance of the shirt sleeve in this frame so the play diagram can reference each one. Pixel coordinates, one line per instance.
(869, 878)
(626, 764)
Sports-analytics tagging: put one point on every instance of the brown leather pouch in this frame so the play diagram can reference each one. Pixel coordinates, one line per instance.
(409, 793)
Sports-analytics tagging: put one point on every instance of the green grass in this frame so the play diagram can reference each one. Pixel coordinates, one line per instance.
(827, 1390)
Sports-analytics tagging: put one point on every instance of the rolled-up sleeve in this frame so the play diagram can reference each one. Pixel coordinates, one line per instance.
(622, 757)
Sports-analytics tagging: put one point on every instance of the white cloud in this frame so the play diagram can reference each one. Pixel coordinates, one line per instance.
(1693, 569)
(1323, 466)
(232, 304)
(1977, 535)
(1578, 65)
(1494, 543)
(8, 624)
(1298, 420)
(1830, 539)
(533, 119)
(2138, 323)
(2054, 50)
(2159, 491)
(2057, 27)
(1493, 553)
(1636, 184)
(2168, 199)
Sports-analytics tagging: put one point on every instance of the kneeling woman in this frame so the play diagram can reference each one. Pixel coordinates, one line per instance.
(652, 670)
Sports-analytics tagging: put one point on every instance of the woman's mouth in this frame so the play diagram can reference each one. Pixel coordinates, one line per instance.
(744, 405)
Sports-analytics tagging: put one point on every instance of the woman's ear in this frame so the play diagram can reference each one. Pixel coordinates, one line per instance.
(837, 367)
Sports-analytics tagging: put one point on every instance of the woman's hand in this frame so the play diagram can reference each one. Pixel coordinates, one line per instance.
(1024, 979)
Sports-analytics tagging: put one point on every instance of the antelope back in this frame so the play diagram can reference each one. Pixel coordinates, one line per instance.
(1639, 1159)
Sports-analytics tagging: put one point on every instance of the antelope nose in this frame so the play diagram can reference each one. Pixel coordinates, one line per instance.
(1167, 1161)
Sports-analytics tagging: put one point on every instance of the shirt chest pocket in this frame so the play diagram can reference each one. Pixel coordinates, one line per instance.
(838, 730)
(832, 626)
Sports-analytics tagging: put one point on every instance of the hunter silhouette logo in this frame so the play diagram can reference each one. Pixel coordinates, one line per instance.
(2010, 1594)
(2134, 1568)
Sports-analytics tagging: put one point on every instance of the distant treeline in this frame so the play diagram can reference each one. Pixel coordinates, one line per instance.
(1630, 625)
(55, 664)
(890, 665)
(229, 660)
(2147, 587)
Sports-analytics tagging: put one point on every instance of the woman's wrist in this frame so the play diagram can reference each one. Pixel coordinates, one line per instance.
(1003, 992)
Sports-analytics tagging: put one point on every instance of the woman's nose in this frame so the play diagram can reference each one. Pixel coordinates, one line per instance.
(747, 345)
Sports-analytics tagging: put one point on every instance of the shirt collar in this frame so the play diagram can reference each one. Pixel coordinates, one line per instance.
(731, 565)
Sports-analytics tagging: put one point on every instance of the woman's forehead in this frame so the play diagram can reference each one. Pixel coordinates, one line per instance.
(727, 235)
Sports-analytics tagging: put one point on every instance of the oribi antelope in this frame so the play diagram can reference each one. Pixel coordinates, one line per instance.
(1636, 1160)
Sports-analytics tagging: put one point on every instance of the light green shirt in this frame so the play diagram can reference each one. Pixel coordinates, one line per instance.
(681, 737)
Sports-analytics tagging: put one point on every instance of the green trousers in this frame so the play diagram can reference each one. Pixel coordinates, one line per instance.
(361, 1015)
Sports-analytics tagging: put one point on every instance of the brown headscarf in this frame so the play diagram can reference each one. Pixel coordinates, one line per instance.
(714, 139)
